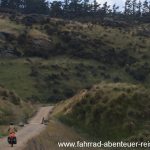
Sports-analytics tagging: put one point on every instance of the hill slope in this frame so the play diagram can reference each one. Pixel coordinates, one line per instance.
(12, 109)
(59, 57)
(110, 111)
(49, 60)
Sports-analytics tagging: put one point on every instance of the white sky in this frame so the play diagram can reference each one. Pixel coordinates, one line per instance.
(119, 3)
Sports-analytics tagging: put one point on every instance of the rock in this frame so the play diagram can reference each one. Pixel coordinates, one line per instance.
(21, 124)
(7, 36)
(41, 44)
(39, 47)
(7, 51)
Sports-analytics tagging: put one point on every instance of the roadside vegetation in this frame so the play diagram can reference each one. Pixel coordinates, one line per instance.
(13, 109)
(56, 132)
(109, 111)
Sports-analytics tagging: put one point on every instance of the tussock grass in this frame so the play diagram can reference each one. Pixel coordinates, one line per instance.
(111, 111)
(55, 132)
(11, 27)
(34, 33)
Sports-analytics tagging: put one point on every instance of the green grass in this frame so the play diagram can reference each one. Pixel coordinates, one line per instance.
(14, 75)
(117, 38)
(86, 55)
(56, 78)
(58, 73)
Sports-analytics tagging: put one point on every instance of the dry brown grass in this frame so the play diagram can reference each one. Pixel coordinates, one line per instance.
(55, 132)
(67, 105)
(36, 34)
(10, 27)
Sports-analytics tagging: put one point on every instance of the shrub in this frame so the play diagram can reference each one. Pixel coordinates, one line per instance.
(34, 71)
(139, 71)
(14, 98)
(51, 29)
(68, 92)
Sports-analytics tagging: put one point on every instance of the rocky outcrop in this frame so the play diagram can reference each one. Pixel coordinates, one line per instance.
(7, 36)
(38, 47)
(6, 48)
(8, 52)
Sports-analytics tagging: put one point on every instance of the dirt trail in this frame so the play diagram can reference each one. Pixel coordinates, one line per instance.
(29, 131)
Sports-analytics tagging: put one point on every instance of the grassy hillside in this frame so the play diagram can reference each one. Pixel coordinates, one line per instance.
(51, 59)
(110, 111)
(53, 79)
(48, 60)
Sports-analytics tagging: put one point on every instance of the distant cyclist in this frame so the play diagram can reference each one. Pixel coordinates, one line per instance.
(12, 128)
(43, 120)
(12, 136)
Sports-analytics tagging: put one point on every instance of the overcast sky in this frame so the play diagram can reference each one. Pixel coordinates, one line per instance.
(119, 3)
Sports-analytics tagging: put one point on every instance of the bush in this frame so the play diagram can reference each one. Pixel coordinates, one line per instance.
(14, 98)
(116, 79)
(139, 71)
(34, 72)
(68, 92)
(22, 38)
(51, 29)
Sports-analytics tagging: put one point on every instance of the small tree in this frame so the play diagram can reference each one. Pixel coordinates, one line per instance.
(114, 9)
(36, 6)
(95, 6)
(128, 8)
(134, 7)
(56, 8)
(66, 8)
(4, 3)
(139, 9)
(146, 8)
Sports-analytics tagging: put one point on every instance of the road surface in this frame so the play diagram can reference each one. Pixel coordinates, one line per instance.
(29, 131)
